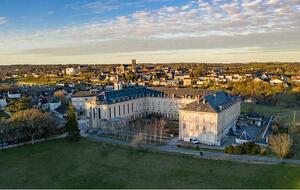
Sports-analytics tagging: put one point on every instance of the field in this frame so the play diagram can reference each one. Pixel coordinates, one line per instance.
(268, 110)
(85, 164)
(283, 114)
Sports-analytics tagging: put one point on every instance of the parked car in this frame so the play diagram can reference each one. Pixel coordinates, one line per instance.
(99, 132)
(91, 131)
(194, 141)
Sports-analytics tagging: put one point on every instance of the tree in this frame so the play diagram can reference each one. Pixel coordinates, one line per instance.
(280, 144)
(138, 140)
(48, 125)
(3, 131)
(18, 105)
(31, 119)
(72, 125)
(161, 125)
(200, 70)
(61, 94)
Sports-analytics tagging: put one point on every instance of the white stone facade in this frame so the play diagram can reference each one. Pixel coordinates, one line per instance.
(133, 109)
(209, 127)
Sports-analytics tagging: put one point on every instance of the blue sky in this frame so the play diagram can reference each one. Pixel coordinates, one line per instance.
(114, 31)
(34, 15)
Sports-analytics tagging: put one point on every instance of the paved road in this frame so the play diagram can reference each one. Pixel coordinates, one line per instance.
(172, 148)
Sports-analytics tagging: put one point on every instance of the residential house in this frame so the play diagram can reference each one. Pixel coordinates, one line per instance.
(3, 102)
(54, 103)
(79, 99)
(14, 94)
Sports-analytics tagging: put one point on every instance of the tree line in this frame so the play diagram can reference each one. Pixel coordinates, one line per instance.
(31, 124)
(27, 125)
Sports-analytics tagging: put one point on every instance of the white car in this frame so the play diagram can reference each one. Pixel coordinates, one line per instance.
(194, 141)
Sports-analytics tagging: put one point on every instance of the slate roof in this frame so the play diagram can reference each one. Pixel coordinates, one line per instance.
(62, 109)
(214, 102)
(83, 94)
(55, 99)
(111, 97)
(181, 92)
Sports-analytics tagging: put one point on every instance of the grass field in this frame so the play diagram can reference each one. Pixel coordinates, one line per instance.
(283, 114)
(268, 110)
(85, 164)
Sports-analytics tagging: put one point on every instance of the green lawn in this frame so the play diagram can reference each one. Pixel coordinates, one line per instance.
(268, 109)
(85, 164)
(283, 114)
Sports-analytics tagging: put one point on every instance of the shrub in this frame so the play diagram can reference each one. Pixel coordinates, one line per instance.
(238, 150)
(178, 145)
(245, 148)
(229, 149)
(281, 144)
(263, 152)
(197, 147)
(255, 149)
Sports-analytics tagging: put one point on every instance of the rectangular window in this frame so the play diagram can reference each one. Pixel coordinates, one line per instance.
(128, 108)
(99, 113)
(123, 109)
(119, 110)
(204, 130)
(132, 107)
(109, 113)
(114, 111)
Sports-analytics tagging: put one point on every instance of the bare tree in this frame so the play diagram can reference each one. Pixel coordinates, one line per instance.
(161, 125)
(138, 140)
(280, 144)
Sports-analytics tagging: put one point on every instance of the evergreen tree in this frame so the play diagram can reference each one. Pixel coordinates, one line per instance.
(71, 125)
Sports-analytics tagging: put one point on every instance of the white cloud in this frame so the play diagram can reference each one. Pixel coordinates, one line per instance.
(3, 20)
(193, 21)
(102, 6)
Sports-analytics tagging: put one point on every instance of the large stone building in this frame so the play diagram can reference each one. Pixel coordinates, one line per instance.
(79, 99)
(209, 119)
(218, 111)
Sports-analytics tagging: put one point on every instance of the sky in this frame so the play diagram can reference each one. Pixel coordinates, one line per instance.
(151, 31)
